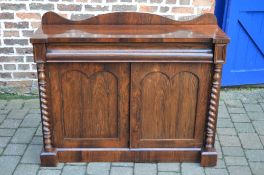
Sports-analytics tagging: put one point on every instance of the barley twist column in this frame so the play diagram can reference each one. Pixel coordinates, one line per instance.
(46, 126)
(211, 124)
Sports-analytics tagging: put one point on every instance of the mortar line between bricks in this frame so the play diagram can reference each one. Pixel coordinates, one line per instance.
(5, 116)
(242, 144)
(86, 173)
(255, 132)
(3, 107)
(109, 171)
(9, 142)
(156, 168)
(256, 129)
(258, 102)
(204, 170)
(120, 165)
(261, 106)
(227, 169)
(239, 166)
(133, 171)
(258, 138)
(221, 147)
(62, 169)
(22, 106)
(22, 127)
(180, 168)
(28, 144)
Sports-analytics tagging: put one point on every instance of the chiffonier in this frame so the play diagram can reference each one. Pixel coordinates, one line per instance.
(129, 87)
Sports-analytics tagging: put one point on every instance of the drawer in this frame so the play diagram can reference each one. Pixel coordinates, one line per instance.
(130, 52)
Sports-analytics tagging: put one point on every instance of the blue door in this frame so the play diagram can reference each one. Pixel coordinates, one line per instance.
(244, 24)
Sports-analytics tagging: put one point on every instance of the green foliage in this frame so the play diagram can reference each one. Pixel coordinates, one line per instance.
(5, 96)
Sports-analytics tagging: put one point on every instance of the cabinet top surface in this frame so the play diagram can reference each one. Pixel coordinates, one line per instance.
(128, 27)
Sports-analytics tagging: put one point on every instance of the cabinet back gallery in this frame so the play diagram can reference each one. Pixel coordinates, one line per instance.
(129, 87)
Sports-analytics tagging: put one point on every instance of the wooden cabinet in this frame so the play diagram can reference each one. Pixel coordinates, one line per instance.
(129, 87)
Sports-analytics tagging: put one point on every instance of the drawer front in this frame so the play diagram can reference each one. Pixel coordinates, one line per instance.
(130, 52)
(89, 104)
(168, 104)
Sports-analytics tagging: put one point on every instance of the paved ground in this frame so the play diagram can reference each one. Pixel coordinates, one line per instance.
(240, 141)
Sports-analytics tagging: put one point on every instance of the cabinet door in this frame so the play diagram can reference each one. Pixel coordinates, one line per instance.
(168, 104)
(89, 104)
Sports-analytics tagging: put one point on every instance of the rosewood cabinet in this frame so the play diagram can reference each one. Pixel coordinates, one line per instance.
(129, 87)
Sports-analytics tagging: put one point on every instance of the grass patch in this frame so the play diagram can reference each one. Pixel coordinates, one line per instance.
(242, 88)
(5, 96)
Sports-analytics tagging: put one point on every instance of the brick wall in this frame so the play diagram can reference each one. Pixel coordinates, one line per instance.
(18, 20)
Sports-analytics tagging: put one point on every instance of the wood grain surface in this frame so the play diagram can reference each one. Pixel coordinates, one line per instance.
(168, 104)
(90, 104)
(129, 86)
(128, 27)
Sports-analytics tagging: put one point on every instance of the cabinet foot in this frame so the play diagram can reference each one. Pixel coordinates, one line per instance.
(49, 159)
(208, 158)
